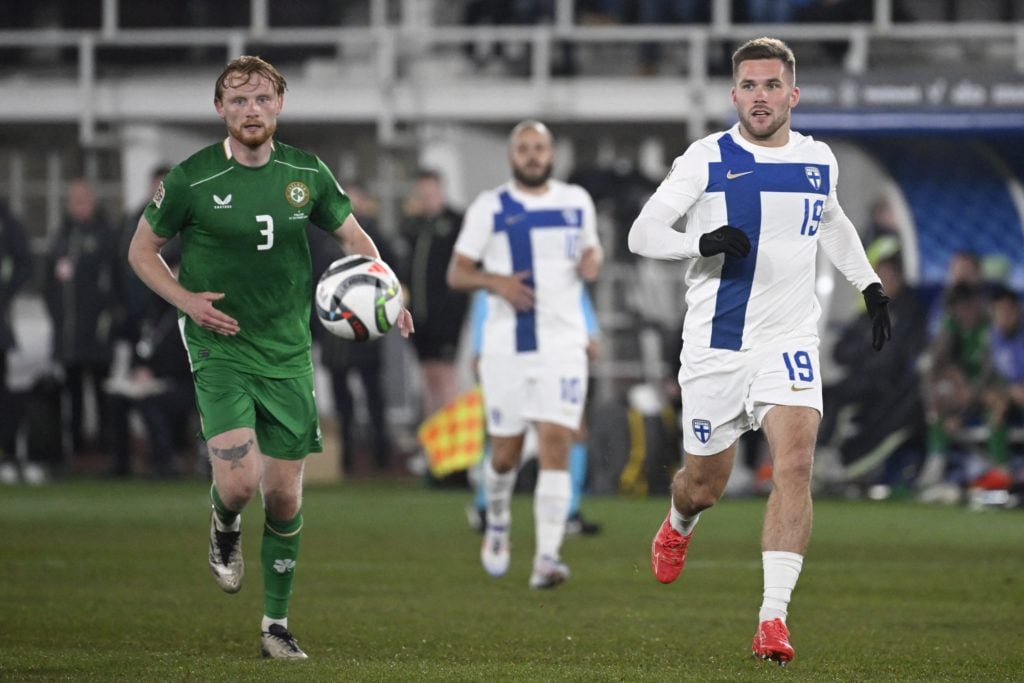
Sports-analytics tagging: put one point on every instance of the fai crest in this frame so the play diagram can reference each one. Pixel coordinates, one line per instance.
(297, 194)
(702, 430)
(813, 176)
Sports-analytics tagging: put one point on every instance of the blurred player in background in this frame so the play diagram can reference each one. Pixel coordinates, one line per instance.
(241, 207)
(531, 243)
(758, 198)
(576, 524)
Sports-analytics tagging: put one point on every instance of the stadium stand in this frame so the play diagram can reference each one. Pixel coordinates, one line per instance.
(107, 89)
(960, 200)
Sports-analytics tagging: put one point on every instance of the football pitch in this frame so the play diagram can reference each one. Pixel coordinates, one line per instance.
(109, 581)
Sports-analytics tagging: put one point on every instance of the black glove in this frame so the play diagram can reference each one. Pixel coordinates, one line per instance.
(725, 240)
(878, 310)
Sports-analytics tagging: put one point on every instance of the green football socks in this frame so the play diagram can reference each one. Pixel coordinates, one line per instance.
(279, 552)
(225, 516)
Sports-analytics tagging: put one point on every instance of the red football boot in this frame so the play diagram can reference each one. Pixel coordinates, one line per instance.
(668, 552)
(771, 642)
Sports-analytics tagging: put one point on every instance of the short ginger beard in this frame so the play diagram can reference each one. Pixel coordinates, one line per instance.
(537, 180)
(253, 141)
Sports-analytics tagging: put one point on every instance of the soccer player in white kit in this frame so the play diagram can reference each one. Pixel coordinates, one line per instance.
(759, 198)
(531, 243)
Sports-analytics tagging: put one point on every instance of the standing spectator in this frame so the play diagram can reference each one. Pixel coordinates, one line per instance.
(79, 296)
(341, 358)
(430, 235)
(15, 270)
(750, 335)
(531, 243)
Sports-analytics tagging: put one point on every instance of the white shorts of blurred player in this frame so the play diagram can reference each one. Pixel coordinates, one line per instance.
(531, 387)
(726, 393)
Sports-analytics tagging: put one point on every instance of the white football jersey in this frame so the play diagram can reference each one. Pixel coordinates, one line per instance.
(784, 199)
(509, 231)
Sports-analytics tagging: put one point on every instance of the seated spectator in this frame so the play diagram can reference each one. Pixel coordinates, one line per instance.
(957, 380)
(158, 385)
(881, 390)
(963, 267)
(1005, 399)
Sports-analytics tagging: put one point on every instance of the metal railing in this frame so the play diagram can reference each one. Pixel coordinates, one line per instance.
(390, 49)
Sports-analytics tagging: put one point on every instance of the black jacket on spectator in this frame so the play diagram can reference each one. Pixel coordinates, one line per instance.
(438, 311)
(15, 270)
(883, 387)
(81, 308)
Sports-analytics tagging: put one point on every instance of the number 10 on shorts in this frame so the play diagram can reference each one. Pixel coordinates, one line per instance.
(799, 366)
(571, 390)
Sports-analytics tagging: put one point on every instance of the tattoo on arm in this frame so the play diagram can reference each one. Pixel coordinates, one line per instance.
(234, 454)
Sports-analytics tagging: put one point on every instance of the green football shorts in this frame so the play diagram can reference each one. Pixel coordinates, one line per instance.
(281, 411)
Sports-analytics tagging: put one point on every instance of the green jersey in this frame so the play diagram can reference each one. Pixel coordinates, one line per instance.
(243, 232)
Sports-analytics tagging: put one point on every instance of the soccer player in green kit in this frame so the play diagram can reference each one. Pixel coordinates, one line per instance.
(241, 207)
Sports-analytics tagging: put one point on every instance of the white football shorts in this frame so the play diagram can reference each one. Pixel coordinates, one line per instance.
(530, 387)
(726, 393)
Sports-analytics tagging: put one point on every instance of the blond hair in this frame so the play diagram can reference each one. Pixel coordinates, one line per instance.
(241, 70)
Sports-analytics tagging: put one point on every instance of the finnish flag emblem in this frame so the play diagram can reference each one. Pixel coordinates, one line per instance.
(702, 430)
(813, 176)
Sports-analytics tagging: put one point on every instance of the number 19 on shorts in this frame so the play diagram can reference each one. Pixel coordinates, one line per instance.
(799, 366)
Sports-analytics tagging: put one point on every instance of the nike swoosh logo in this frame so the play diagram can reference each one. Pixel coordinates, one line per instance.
(732, 176)
(796, 388)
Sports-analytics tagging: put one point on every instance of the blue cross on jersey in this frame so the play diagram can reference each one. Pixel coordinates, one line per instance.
(742, 180)
(516, 222)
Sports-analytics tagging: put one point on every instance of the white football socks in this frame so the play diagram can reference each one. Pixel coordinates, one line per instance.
(499, 495)
(683, 525)
(550, 509)
(267, 621)
(781, 571)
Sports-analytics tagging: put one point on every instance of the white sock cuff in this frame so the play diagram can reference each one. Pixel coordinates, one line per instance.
(683, 525)
(553, 483)
(267, 621)
(783, 558)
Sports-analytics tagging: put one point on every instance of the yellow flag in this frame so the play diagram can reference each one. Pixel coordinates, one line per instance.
(453, 437)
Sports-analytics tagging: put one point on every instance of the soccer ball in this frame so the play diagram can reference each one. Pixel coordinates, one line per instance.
(358, 298)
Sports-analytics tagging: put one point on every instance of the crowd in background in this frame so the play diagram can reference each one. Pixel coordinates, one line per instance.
(941, 410)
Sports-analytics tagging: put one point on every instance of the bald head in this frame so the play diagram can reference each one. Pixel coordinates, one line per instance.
(531, 153)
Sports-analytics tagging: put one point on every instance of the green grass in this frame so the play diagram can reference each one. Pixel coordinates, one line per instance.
(108, 581)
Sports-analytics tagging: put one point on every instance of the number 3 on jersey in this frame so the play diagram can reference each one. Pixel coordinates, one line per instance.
(267, 232)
